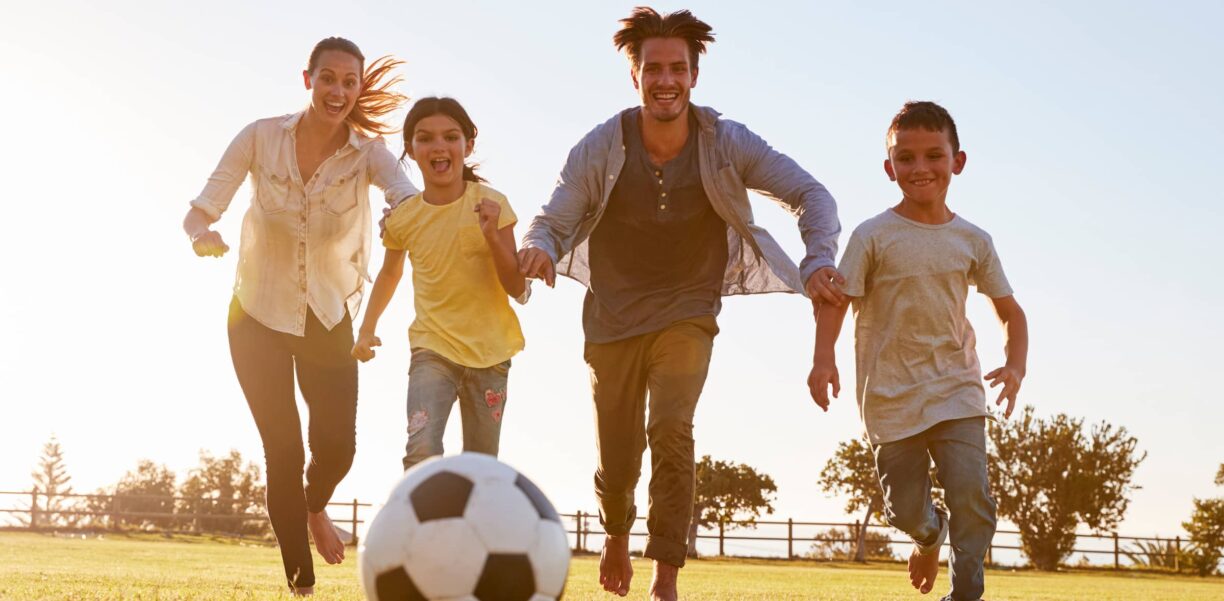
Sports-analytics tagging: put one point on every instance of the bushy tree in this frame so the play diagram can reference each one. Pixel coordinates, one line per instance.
(851, 473)
(835, 543)
(224, 486)
(51, 482)
(1051, 475)
(1206, 528)
(728, 492)
(148, 489)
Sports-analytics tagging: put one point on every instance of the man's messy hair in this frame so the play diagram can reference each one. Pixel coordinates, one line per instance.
(923, 114)
(645, 23)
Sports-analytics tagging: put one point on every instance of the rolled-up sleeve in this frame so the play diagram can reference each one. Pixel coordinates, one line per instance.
(225, 180)
(554, 228)
(781, 179)
(386, 174)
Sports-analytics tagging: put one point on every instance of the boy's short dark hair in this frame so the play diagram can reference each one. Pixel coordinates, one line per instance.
(926, 115)
(645, 23)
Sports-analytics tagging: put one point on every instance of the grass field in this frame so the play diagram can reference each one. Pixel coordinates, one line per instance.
(34, 566)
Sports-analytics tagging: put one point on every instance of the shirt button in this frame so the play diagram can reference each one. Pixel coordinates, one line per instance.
(611, 177)
(663, 207)
(665, 195)
(660, 182)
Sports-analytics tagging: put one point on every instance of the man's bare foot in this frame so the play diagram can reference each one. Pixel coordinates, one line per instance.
(663, 585)
(326, 539)
(923, 569)
(615, 569)
(302, 591)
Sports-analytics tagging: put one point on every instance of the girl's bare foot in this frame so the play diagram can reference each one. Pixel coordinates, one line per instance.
(663, 585)
(326, 539)
(923, 569)
(615, 569)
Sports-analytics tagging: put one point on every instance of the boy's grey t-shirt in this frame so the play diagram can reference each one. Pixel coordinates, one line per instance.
(914, 348)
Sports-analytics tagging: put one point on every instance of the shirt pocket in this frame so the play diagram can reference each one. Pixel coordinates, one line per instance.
(272, 190)
(340, 194)
(472, 241)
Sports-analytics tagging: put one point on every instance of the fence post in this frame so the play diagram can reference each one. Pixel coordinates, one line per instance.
(34, 508)
(1177, 554)
(720, 538)
(578, 531)
(354, 522)
(790, 538)
(1117, 562)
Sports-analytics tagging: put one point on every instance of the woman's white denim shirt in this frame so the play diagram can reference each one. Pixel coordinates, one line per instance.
(305, 245)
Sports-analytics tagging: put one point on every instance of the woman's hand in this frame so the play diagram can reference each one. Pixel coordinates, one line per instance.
(208, 244)
(363, 350)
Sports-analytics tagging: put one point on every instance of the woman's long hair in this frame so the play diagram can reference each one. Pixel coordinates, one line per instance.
(433, 105)
(376, 98)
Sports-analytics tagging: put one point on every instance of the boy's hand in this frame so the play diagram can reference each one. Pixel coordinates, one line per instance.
(823, 375)
(363, 349)
(487, 212)
(1010, 378)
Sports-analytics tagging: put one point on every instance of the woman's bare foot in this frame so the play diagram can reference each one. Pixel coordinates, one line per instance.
(663, 585)
(326, 539)
(615, 569)
(923, 569)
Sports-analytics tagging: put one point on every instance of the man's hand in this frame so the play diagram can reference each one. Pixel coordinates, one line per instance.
(363, 349)
(209, 244)
(535, 263)
(823, 375)
(825, 286)
(487, 213)
(1010, 378)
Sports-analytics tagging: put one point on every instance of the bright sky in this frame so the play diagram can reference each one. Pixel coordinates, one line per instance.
(1089, 130)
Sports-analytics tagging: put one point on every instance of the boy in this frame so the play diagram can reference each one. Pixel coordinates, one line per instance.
(908, 271)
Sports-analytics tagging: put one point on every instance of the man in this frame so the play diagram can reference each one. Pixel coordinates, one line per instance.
(651, 213)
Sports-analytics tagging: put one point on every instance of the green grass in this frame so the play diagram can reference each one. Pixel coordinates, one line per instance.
(147, 567)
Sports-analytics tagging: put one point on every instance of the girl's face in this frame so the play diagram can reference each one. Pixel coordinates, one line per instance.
(439, 147)
(334, 85)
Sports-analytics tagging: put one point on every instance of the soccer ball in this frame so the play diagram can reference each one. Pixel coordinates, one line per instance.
(465, 528)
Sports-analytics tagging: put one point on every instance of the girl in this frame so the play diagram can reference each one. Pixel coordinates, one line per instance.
(301, 264)
(459, 236)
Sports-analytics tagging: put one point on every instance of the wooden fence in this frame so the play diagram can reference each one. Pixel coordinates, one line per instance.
(581, 525)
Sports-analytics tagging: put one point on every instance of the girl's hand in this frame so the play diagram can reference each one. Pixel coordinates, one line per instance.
(208, 244)
(363, 350)
(488, 213)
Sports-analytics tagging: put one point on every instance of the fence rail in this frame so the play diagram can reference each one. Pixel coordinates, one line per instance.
(581, 525)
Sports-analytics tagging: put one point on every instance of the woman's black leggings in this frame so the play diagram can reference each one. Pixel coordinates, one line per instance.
(266, 361)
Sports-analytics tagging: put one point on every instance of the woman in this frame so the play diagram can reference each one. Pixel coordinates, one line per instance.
(301, 267)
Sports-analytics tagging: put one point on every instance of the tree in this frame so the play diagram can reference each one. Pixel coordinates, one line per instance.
(728, 492)
(224, 486)
(1206, 528)
(1050, 476)
(51, 482)
(832, 544)
(148, 489)
(1220, 476)
(852, 473)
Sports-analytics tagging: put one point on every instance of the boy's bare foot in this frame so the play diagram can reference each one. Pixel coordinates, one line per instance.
(663, 585)
(615, 569)
(923, 568)
(326, 539)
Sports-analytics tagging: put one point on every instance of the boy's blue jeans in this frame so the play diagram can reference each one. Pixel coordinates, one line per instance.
(958, 448)
(434, 382)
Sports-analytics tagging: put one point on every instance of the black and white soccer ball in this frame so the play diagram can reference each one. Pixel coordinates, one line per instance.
(465, 528)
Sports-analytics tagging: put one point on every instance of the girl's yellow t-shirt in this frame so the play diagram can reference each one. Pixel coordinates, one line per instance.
(462, 312)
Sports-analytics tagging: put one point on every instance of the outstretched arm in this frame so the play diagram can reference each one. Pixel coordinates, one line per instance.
(384, 288)
(829, 319)
(1015, 325)
(215, 198)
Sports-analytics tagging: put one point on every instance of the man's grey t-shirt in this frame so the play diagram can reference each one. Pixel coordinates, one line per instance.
(915, 351)
(659, 253)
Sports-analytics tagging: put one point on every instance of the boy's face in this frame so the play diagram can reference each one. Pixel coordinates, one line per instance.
(922, 163)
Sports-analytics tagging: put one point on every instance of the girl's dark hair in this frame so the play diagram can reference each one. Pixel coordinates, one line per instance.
(433, 105)
(376, 98)
(645, 23)
(925, 115)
